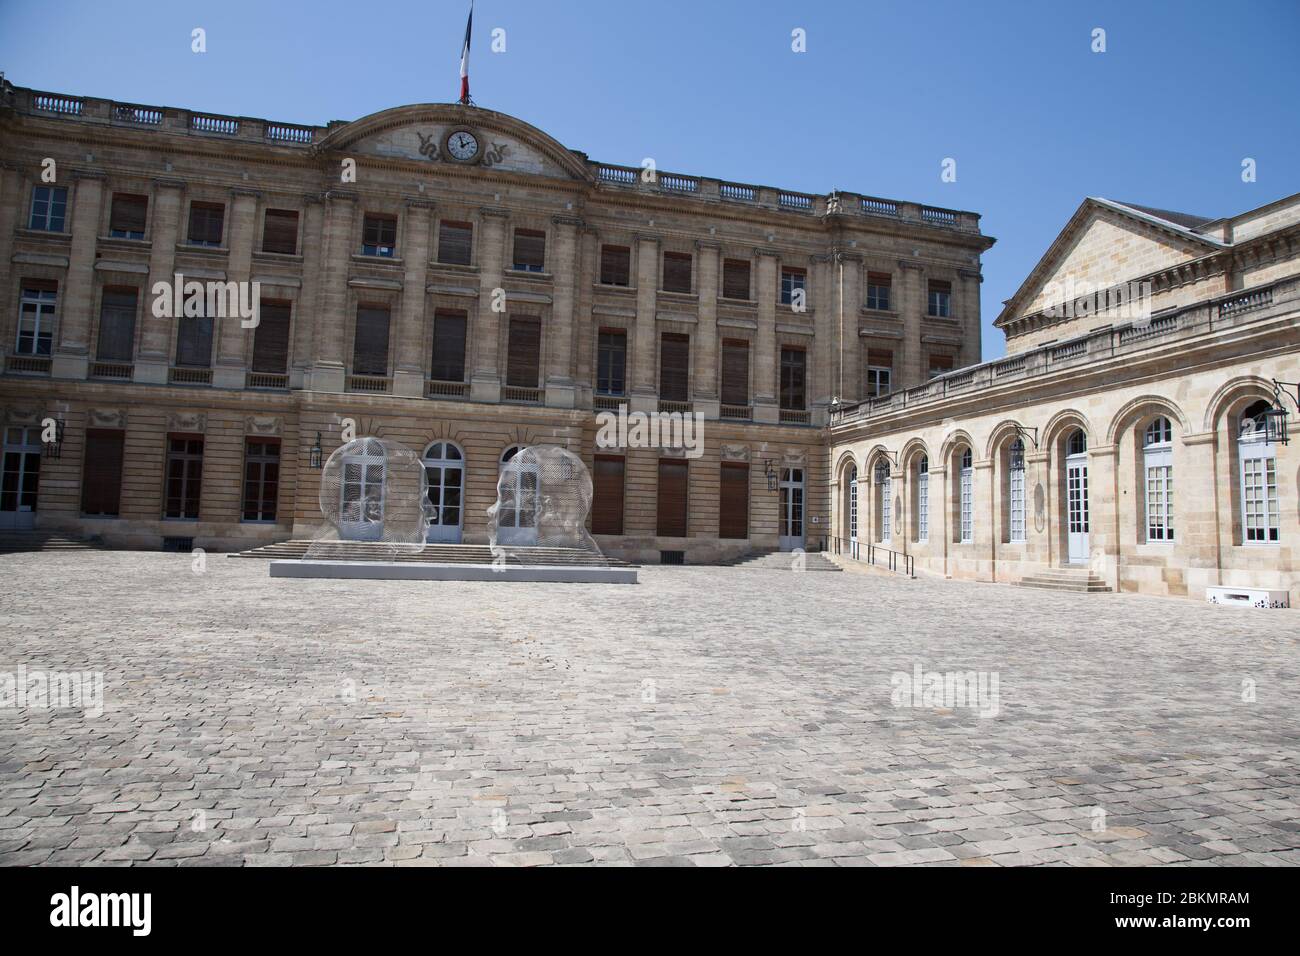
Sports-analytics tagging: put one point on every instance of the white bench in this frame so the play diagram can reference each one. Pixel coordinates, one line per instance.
(1247, 597)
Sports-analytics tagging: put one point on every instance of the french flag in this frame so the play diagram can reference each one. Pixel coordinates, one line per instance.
(464, 58)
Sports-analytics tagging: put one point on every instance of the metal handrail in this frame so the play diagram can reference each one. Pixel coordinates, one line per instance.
(899, 562)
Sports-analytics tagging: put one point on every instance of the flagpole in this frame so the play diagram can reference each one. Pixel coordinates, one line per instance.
(464, 58)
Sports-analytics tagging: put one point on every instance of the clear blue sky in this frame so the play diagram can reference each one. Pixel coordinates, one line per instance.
(885, 91)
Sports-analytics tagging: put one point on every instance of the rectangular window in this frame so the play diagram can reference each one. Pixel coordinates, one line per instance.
(36, 318)
(261, 478)
(735, 372)
(940, 299)
(615, 265)
(794, 379)
(49, 208)
(280, 231)
(923, 506)
(939, 364)
(271, 337)
(530, 250)
(878, 284)
(379, 236)
(455, 242)
(194, 341)
(607, 495)
(793, 281)
(880, 372)
(672, 512)
(677, 272)
(127, 216)
(448, 345)
(733, 500)
(674, 367)
(207, 220)
(370, 341)
(101, 474)
(184, 476)
(1259, 498)
(524, 352)
(117, 326)
(735, 279)
(1159, 495)
(611, 363)
(1016, 492)
(967, 506)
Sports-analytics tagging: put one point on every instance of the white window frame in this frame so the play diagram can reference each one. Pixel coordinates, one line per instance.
(1259, 461)
(1158, 481)
(1016, 493)
(49, 210)
(967, 498)
(853, 503)
(44, 304)
(879, 381)
(923, 500)
(884, 503)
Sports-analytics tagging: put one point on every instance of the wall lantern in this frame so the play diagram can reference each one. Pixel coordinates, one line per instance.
(1275, 418)
(769, 474)
(1018, 448)
(315, 459)
(53, 442)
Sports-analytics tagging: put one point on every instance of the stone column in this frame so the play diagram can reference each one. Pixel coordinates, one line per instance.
(825, 383)
(911, 365)
(849, 303)
(485, 382)
(985, 515)
(329, 370)
(940, 504)
(560, 390)
(305, 310)
(645, 389)
(409, 363)
(584, 334)
(1103, 514)
(1197, 502)
(71, 357)
(968, 301)
(1038, 524)
(234, 341)
(155, 354)
(705, 391)
(765, 361)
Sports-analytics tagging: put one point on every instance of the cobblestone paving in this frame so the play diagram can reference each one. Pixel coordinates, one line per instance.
(708, 716)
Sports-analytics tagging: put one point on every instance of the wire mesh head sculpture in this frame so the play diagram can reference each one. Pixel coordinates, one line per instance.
(376, 490)
(543, 498)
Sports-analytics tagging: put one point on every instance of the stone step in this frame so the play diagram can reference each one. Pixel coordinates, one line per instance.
(783, 561)
(1087, 583)
(432, 554)
(19, 542)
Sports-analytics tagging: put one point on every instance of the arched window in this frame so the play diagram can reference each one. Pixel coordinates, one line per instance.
(1016, 491)
(884, 494)
(923, 499)
(1078, 443)
(967, 498)
(853, 504)
(1260, 514)
(510, 453)
(1158, 466)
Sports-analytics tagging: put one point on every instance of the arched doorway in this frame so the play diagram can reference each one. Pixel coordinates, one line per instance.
(853, 510)
(517, 517)
(361, 494)
(884, 503)
(20, 479)
(444, 465)
(1076, 497)
(792, 498)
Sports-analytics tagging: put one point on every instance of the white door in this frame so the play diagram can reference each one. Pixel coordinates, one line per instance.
(791, 530)
(517, 519)
(1076, 503)
(20, 478)
(361, 498)
(444, 465)
(853, 513)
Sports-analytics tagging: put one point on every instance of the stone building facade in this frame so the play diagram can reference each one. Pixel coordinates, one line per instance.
(451, 278)
(1123, 433)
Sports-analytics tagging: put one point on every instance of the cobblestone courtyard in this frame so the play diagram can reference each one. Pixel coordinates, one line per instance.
(256, 721)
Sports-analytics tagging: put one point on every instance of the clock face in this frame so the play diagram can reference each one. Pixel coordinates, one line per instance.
(462, 145)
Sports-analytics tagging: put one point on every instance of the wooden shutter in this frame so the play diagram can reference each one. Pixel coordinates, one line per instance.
(271, 338)
(940, 363)
(530, 250)
(370, 345)
(880, 358)
(117, 326)
(937, 286)
(194, 341)
(101, 474)
(793, 379)
(448, 346)
(455, 242)
(672, 498)
(735, 372)
(677, 272)
(607, 495)
(674, 367)
(523, 354)
(615, 265)
(280, 232)
(206, 222)
(128, 213)
(733, 500)
(735, 279)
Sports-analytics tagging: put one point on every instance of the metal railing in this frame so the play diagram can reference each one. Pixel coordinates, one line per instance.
(369, 383)
(897, 562)
(744, 413)
(273, 380)
(177, 375)
(521, 396)
(437, 389)
(122, 371)
(29, 364)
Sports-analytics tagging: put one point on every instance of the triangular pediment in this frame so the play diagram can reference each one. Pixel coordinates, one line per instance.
(421, 133)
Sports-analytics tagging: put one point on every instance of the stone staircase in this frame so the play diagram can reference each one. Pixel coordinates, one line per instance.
(1066, 579)
(432, 554)
(783, 561)
(17, 542)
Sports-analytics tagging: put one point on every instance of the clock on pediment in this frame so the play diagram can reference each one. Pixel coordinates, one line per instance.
(461, 145)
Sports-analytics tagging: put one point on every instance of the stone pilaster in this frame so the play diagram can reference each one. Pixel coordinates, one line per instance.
(849, 302)
(584, 337)
(409, 363)
(645, 388)
(1198, 504)
(939, 506)
(985, 515)
(1103, 514)
(155, 354)
(765, 365)
(824, 383)
(306, 315)
(968, 301)
(71, 358)
(234, 341)
(11, 181)
(912, 367)
(705, 392)
(560, 390)
(485, 383)
(329, 370)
